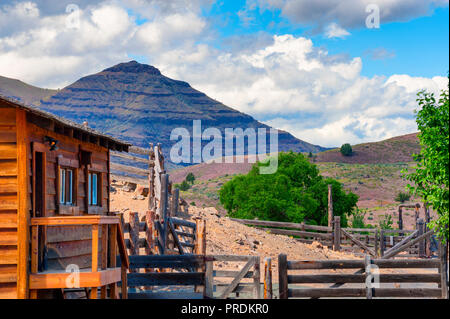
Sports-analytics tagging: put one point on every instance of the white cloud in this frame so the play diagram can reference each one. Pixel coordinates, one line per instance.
(285, 81)
(333, 30)
(350, 13)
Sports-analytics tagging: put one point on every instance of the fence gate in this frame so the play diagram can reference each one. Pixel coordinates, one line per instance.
(249, 272)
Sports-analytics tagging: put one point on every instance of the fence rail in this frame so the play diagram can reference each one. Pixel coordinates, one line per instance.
(372, 283)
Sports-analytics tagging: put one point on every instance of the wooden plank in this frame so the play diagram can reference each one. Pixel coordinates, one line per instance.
(8, 255)
(75, 220)
(298, 233)
(326, 292)
(8, 184)
(131, 157)
(256, 278)
(8, 167)
(8, 219)
(283, 276)
(8, 151)
(8, 237)
(8, 291)
(359, 243)
(165, 261)
(408, 292)
(237, 279)
(282, 224)
(209, 280)
(325, 264)
(95, 248)
(7, 135)
(181, 222)
(8, 274)
(9, 202)
(392, 253)
(87, 279)
(165, 279)
(361, 278)
(139, 150)
(128, 169)
(8, 116)
(22, 205)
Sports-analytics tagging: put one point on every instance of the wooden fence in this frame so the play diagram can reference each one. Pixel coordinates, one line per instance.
(368, 282)
(374, 242)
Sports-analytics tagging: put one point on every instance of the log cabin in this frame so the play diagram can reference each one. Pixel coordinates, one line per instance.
(56, 229)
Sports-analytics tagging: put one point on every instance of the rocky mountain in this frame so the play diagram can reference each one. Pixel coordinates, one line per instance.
(23, 92)
(136, 103)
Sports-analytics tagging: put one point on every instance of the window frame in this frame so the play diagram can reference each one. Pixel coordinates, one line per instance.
(66, 165)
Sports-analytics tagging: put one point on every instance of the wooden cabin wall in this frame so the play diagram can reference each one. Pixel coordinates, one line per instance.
(71, 244)
(8, 203)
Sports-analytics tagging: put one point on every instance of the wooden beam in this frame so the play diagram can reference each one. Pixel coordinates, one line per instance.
(23, 209)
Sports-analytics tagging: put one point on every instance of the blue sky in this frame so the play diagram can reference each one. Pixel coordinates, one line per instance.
(312, 68)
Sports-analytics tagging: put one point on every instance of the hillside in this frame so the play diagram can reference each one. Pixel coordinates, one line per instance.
(23, 92)
(136, 103)
(395, 150)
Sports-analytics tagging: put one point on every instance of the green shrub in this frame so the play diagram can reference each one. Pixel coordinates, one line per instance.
(386, 222)
(346, 150)
(192, 204)
(184, 186)
(295, 193)
(402, 197)
(190, 178)
(358, 218)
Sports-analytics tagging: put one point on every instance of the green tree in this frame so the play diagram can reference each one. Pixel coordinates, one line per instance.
(190, 178)
(386, 222)
(431, 175)
(295, 193)
(346, 150)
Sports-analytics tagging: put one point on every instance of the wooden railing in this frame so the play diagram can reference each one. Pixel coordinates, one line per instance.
(374, 242)
(364, 279)
(103, 273)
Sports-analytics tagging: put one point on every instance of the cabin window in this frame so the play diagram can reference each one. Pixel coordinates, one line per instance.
(66, 186)
(94, 189)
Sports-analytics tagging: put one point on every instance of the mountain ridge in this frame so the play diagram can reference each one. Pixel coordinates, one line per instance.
(137, 103)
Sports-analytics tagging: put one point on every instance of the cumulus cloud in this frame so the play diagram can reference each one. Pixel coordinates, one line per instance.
(333, 30)
(293, 85)
(285, 81)
(349, 13)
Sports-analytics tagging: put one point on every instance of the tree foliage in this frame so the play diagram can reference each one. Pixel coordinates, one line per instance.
(190, 178)
(295, 193)
(431, 174)
(346, 150)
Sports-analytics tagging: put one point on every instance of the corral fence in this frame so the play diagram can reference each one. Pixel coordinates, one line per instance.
(370, 281)
(375, 242)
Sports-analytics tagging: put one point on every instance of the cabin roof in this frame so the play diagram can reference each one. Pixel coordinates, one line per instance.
(85, 133)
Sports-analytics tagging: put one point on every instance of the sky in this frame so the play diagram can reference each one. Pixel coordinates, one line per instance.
(330, 72)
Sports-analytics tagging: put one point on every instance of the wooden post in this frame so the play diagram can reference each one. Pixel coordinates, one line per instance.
(268, 293)
(337, 233)
(368, 263)
(400, 218)
(382, 243)
(257, 278)
(417, 212)
(95, 228)
(377, 252)
(134, 232)
(112, 249)
(174, 203)
(330, 205)
(34, 256)
(282, 276)
(104, 256)
(164, 209)
(443, 270)
(209, 280)
(421, 229)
